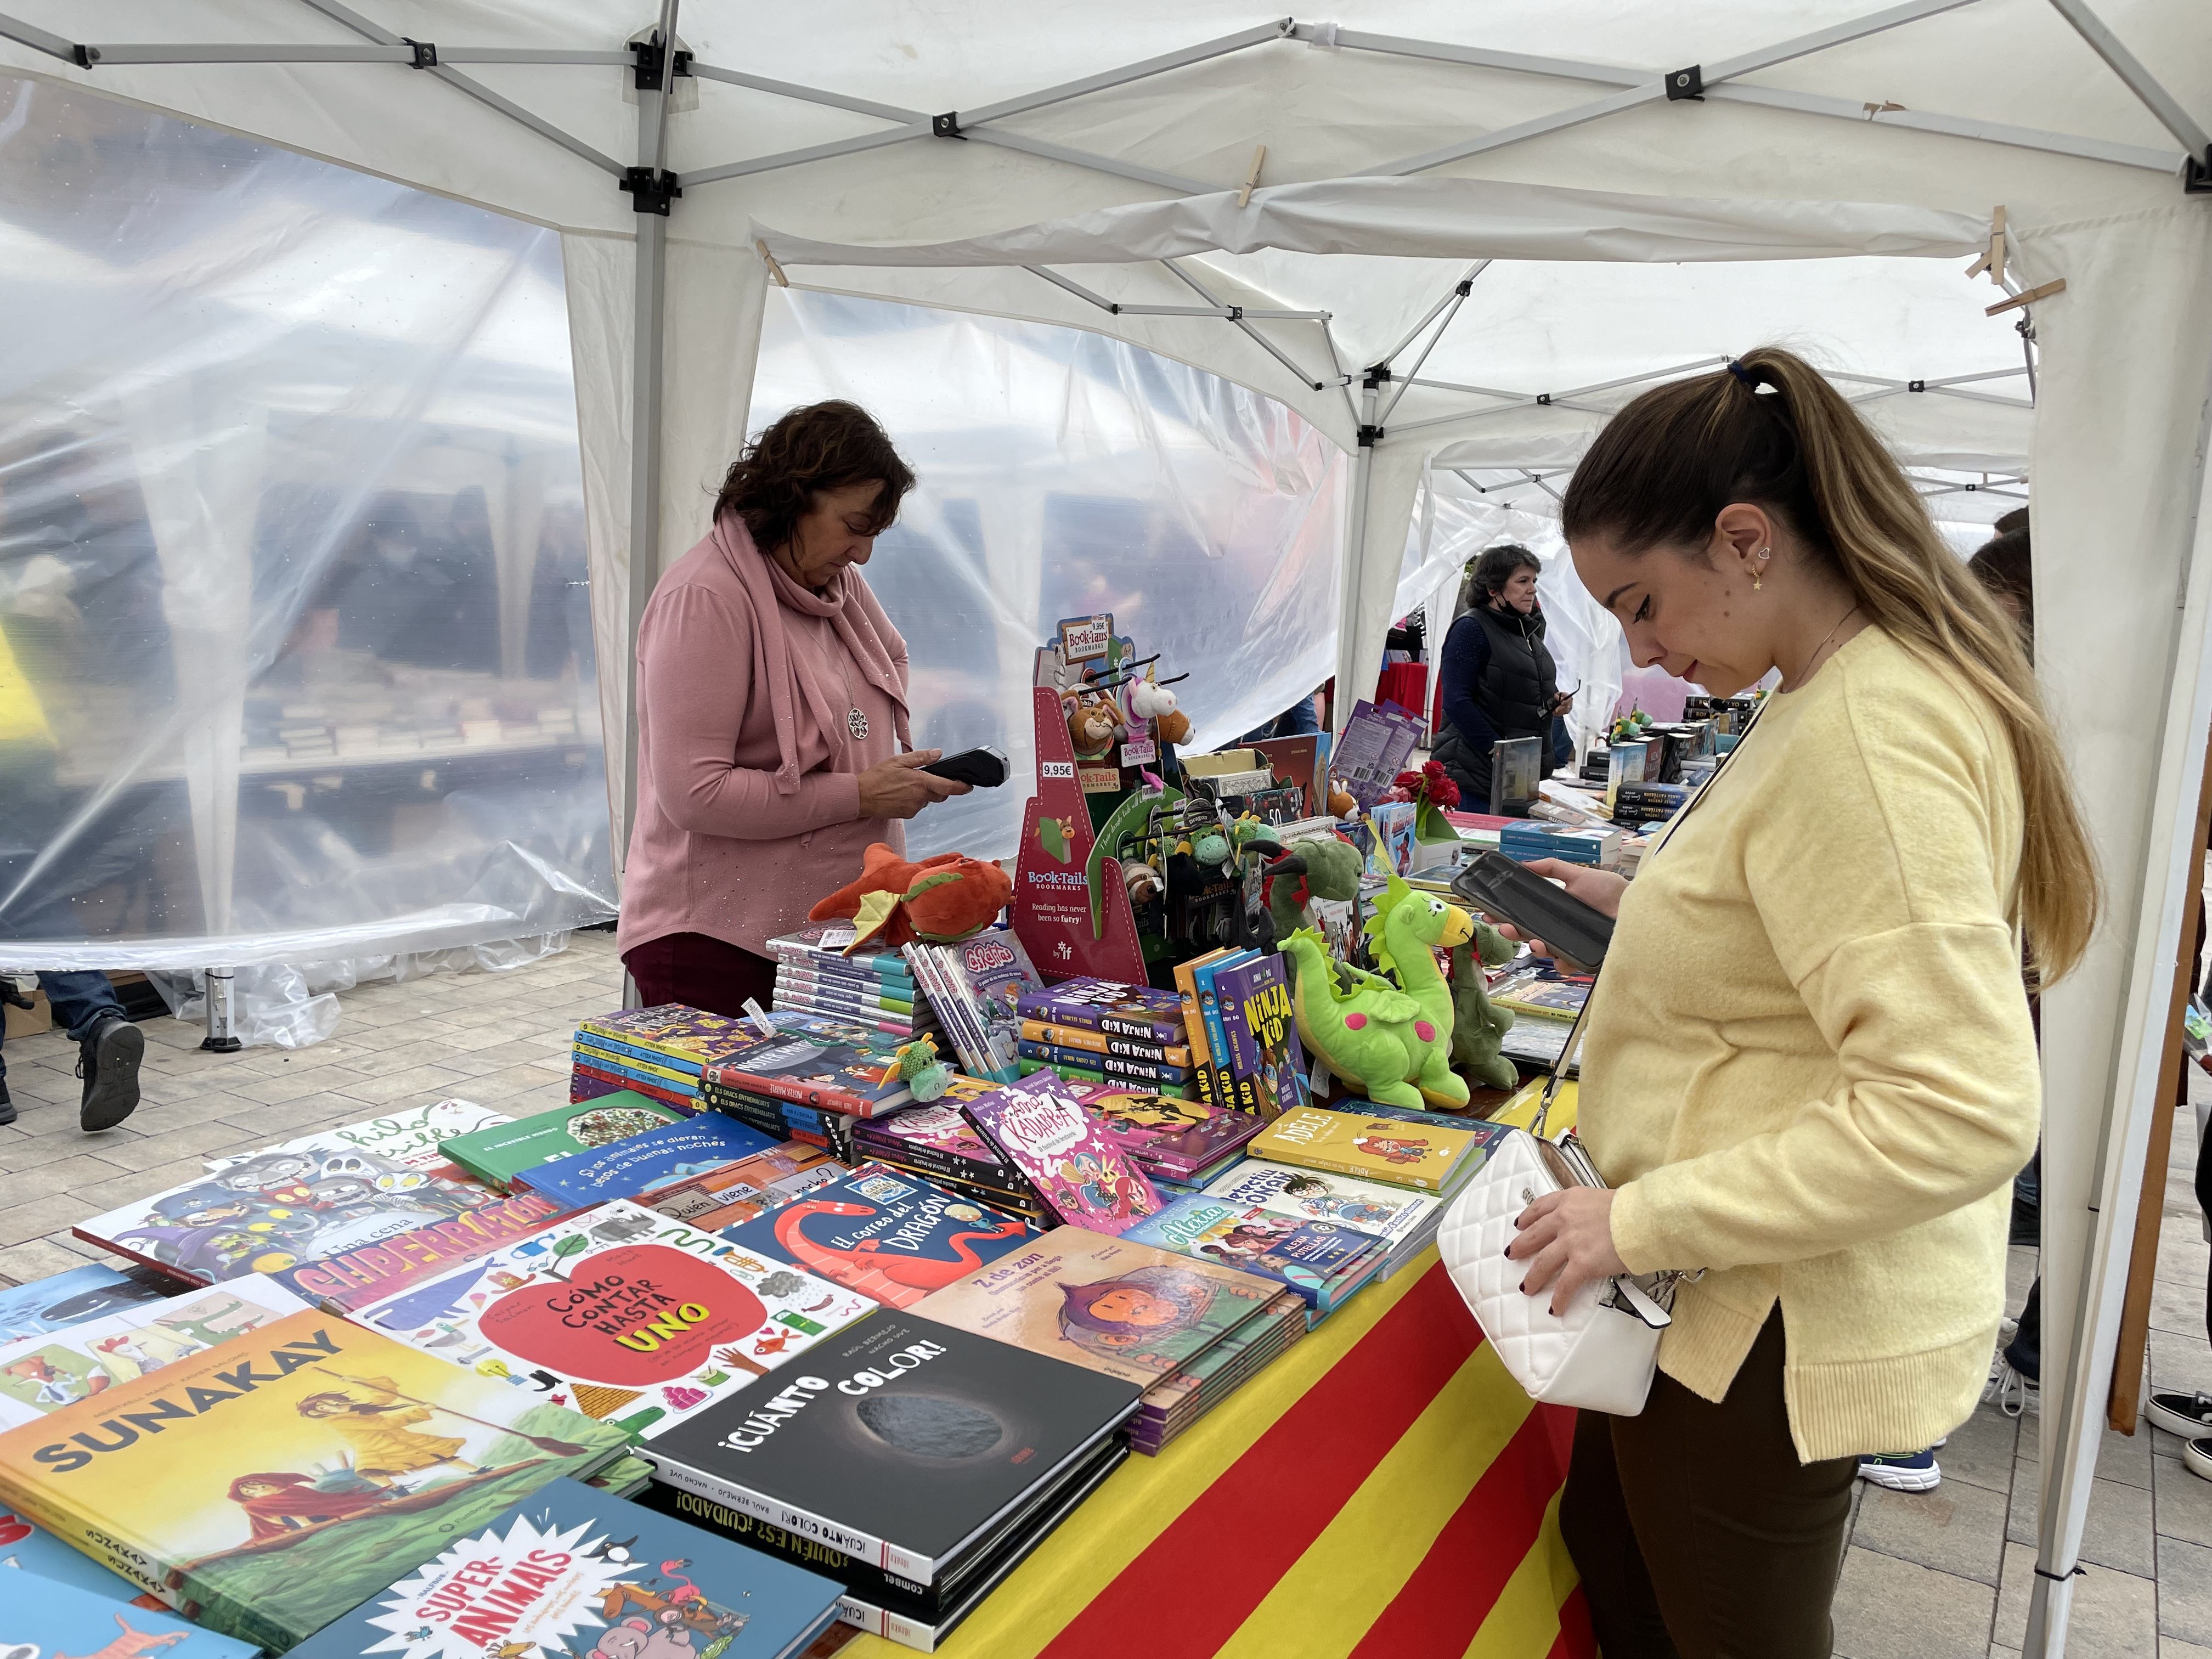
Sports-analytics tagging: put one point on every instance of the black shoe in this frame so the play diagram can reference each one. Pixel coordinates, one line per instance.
(107, 1060)
(7, 1107)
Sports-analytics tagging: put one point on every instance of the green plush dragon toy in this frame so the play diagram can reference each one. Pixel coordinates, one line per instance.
(1395, 1040)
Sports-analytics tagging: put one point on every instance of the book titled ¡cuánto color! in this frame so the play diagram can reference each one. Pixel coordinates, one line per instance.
(1083, 1178)
(269, 1486)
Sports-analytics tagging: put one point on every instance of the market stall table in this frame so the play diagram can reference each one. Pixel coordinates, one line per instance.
(1385, 1489)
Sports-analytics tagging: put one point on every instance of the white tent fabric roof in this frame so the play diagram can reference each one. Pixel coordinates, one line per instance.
(1878, 132)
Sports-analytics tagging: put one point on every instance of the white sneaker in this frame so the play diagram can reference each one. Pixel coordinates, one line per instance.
(2189, 1415)
(2012, 1394)
(2197, 1458)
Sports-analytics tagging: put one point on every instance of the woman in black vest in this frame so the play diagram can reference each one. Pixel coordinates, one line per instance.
(1498, 677)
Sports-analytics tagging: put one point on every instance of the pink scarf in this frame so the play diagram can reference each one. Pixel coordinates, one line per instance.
(854, 612)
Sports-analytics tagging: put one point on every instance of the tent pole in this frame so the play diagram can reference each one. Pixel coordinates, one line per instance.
(2140, 81)
(646, 360)
(1355, 559)
(2171, 866)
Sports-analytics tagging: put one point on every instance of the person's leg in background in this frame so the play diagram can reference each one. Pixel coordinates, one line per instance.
(109, 1047)
(1594, 1524)
(700, 972)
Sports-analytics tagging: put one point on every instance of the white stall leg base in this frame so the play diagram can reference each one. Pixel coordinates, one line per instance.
(219, 1040)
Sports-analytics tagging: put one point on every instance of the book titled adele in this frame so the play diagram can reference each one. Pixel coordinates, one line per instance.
(898, 1441)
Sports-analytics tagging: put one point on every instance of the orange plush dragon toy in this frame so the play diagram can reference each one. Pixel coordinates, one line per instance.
(895, 903)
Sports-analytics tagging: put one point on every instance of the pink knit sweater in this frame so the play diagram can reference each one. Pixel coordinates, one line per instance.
(749, 796)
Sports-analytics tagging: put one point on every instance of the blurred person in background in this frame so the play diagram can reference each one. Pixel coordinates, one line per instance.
(1499, 680)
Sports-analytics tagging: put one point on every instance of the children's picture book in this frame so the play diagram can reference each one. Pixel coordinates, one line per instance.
(1314, 1258)
(1533, 992)
(1394, 1213)
(685, 1036)
(751, 1185)
(941, 1129)
(1082, 1176)
(275, 1209)
(370, 1272)
(641, 1163)
(42, 1617)
(987, 977)
(1130, 1310)
(1108, 1008)
(623, 1314)
(799, 1066)
(1165, 1136)
(1432, 1156)
(894, 1237)
(413, 1136)
(502, 1152)
(40, 1374)
(902, 1444)
(574, 1573)
(272, 1483)
(1266, 1056)
(28, 1548)
(70, 1297)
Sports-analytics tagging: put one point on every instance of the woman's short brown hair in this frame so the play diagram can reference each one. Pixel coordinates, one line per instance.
(828, 446)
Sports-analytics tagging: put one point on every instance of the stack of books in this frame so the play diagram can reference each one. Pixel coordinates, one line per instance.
(498, 1154)
(812, 1081)
(1080, 1174)
(1097, 1030)
(656, 1052)
(59, 1617)
(1131, 1311)
(1423, 1150)
(1179, 1144)
(1243, 1031)
(1542, 990)
(916, 1463)
(723, 1197)
(976, 987)
(941, 1141)
(1323, 1262)
(1528, 839)
(1405, 1220)
(872, 987)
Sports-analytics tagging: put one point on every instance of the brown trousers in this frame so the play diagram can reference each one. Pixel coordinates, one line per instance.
(1698, 1533)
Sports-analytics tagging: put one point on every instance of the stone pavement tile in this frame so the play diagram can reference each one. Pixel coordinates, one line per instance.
(49, 1212)
(389, 1086)
(45, 1118)
(48, 1084)
(1980, 1450)
(509, 1051)
(87, 1169)
(2117, 1534)
(2185, 1591)
(36, 1258)
(185, 1140)
(2122, 1457)
(2115, 1616)
(1997, 1652)
(40, 1153)
(2177, 1360)
(1888, 1608)
(2171, 1647)
(498, 1088)
(2182, 1501)
(1956, 1529)
(2178, 1306)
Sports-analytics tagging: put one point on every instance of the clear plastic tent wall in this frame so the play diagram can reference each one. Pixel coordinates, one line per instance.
(1063, 473)
(295, 651)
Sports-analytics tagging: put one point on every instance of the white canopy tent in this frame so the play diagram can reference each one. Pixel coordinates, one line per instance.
(982, 159)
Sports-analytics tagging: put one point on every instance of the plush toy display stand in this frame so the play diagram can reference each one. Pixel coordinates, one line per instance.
(1053, 894)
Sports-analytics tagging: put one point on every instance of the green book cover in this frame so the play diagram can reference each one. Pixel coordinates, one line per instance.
(503, 1150)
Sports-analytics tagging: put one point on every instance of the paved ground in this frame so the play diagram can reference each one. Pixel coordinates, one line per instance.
(1941, 1575)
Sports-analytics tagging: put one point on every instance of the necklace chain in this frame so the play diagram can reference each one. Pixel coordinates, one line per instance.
(1814, 660)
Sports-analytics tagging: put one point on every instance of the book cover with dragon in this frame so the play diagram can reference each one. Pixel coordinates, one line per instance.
(623, 1314)
(573, 1573)
(270, 1485)
(1082, 1176)
(891, 1235)
(1130, 1310)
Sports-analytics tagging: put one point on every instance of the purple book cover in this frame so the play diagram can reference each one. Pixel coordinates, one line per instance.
(1100, 1004)
(1084, 1178)
(1166, 1136)
(1263, 1034)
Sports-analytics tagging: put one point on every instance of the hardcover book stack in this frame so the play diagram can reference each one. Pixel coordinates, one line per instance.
(1096, 1031)
(1187, 1332)
(872, 987)
(916, 1463)
(1323, 1262)
(1081, 1177)
(1406, 1220)
(1179, 1144)
(1246, 1054)
(810, 1081)
(655, 1051)
(1422, 1151)
(939, 1140)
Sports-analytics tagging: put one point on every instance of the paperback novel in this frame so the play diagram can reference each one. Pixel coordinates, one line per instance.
(625, 1316)
(985, 978)
(1130, 1310)
(1080, 1175)
(500, 1153)
(1266, 1058)
(643, 1163)
(1110, 1009)
(268, 1486)
(574, 1573)
(940, 1137)
(892, 1236)
(1109, 1066)
(687, 1036)
(1168, 1137)
(902, 1444)
(1074, 1036)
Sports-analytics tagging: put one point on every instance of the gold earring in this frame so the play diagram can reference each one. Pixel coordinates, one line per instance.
(1759, 576)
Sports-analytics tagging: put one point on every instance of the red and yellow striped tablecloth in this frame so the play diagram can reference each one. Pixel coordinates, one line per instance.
(1384, 1490)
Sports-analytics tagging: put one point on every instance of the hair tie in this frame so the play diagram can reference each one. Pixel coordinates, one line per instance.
(1748, 376)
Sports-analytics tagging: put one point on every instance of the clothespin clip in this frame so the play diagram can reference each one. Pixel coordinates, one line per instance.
(1883, 108)
(2027, 296)
(774, 270)
(1993, 260)
(1252, 178)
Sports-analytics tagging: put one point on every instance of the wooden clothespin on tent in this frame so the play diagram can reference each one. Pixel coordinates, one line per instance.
(2027, 296)
(774, 270)
(1252, 178)
(1992, 260)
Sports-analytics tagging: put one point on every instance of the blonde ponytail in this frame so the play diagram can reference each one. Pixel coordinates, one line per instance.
(1664, 467)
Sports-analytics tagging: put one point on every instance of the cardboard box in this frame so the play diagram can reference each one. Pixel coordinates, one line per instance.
(32, 1021)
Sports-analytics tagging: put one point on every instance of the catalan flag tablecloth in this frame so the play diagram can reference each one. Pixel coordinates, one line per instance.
(1383, 1490)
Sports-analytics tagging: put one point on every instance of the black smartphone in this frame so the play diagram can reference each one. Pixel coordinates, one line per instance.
(985, 767)
(1497, 886)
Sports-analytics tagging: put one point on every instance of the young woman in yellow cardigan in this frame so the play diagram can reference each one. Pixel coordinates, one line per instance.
(1809, 1072)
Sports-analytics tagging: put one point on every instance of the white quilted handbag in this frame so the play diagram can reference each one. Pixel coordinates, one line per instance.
(1601, 1354)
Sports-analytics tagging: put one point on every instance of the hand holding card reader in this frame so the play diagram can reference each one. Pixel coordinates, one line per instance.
(984, 767)
(1500, 888)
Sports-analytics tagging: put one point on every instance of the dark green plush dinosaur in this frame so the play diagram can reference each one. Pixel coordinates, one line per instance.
(1479, 1026)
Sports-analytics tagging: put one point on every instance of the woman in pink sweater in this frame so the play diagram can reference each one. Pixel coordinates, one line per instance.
(771, 713)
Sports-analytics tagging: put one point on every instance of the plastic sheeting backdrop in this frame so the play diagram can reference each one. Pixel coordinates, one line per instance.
(296, 653)
(1064, 473)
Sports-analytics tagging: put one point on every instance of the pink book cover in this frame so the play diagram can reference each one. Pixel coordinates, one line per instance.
(1084, 1179)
